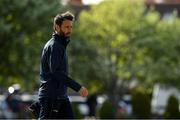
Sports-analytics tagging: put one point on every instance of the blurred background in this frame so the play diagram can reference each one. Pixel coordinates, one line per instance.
(126, 52)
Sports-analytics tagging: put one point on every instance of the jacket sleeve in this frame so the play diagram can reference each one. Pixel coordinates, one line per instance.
(55, 64)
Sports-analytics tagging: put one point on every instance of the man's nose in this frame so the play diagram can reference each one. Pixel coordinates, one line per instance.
(69, 29)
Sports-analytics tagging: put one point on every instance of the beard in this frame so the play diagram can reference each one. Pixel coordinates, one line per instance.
(64, 35)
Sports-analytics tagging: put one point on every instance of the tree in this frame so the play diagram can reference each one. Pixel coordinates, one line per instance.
(25, 27)
(141, 102)
(172, 108)
(127, 45)
(106, 111)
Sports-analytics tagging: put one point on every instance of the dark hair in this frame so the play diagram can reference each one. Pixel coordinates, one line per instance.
(59, 18)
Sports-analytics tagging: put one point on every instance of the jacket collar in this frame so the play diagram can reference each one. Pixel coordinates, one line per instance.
(61, 39)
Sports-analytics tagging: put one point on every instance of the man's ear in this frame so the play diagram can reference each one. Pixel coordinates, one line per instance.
(56, 27)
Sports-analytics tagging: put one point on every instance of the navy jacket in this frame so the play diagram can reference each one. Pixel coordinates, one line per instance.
(54, 78)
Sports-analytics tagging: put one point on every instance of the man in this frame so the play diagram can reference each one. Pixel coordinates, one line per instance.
(54, 78)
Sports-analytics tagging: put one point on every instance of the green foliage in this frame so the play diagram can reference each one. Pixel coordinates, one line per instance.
(76, 111)
(172, 108)
(25, 26)
(83, 63)
(141, 102)
(107, 111)
(114, 41)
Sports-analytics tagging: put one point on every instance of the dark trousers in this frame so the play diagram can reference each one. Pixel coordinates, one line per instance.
(59, 109)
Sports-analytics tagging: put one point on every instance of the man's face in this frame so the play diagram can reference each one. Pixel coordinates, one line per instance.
(66, 28)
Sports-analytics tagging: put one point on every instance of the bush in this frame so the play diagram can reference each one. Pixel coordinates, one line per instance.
(76, 111)
(172, 108)
(141, 103)
(106, 111)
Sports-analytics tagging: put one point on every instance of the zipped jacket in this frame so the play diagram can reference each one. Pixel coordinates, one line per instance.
(54, 78)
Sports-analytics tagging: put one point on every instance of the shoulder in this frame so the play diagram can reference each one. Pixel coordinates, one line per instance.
(53, 44)
(49, 43)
